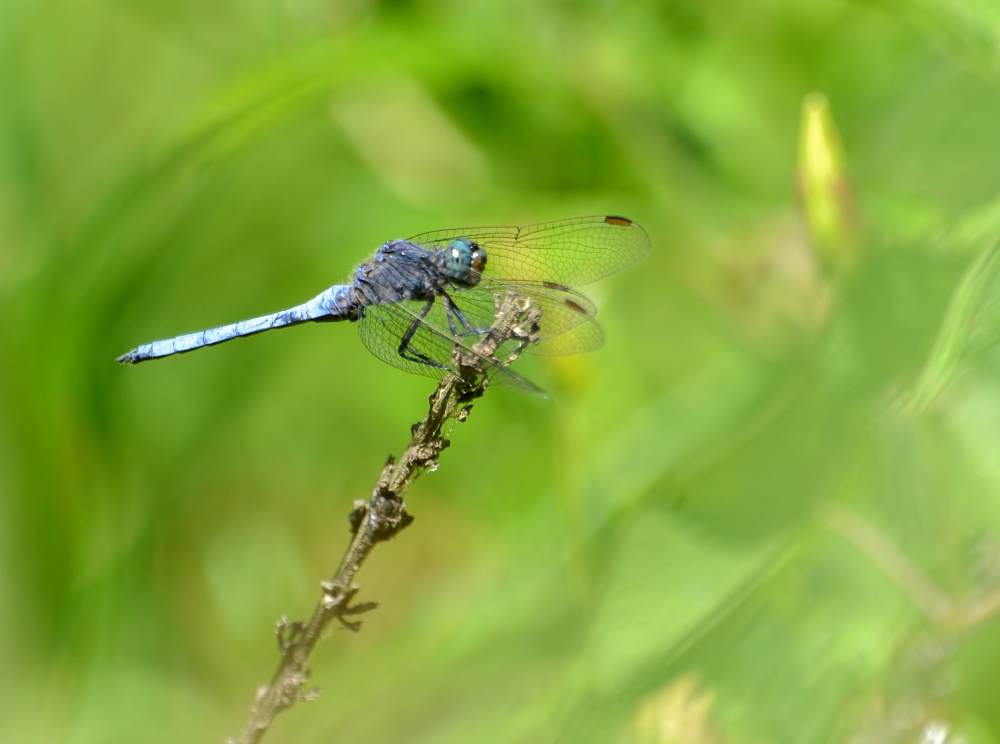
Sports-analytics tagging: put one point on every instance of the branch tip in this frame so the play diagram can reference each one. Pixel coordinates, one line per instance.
(352, 625)
(360, 608)
(309, 695)
(288, 634)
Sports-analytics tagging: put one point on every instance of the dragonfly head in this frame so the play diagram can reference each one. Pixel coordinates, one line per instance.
(464, 261)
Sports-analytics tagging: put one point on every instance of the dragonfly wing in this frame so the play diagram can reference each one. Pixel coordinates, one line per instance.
(567, 325)
(569, 252)
(383, 327)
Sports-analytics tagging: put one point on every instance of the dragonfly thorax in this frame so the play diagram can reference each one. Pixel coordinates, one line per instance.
(464, 262)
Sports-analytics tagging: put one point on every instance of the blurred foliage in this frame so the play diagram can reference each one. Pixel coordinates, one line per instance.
(768, 510)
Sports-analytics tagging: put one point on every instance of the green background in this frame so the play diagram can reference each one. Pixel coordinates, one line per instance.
(767, 511)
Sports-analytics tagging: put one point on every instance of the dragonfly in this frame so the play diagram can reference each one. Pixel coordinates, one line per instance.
(418, 300)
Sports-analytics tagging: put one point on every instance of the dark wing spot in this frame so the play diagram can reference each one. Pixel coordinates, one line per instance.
(622, 221)
(553, 285)
(573, 306)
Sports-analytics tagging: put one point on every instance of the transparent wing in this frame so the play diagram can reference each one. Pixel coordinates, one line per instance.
(382, 328)
(567, 325)
(382, 331)
(569, 252)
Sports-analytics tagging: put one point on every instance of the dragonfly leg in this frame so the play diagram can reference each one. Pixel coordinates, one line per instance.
(451, 308)
(404, 345)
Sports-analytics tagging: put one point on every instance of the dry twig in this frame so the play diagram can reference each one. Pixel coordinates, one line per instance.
(384, 515)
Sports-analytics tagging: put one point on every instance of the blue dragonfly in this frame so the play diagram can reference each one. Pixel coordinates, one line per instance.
(416, 300)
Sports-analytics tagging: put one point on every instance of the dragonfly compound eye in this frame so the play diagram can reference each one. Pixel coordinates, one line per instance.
(464, 258)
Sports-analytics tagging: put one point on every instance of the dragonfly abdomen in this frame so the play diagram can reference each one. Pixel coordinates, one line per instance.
(336, 303)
